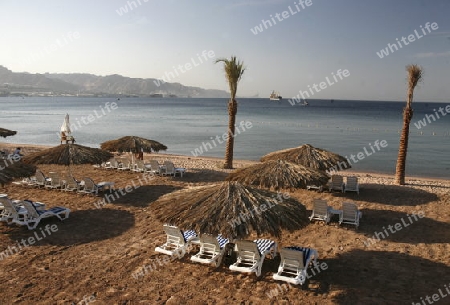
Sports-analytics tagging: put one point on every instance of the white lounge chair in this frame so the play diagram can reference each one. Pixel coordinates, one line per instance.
(171, 170)
(336, 183)
(321, 211)
(71, 184)
(352, 185)
(350, 214)
(111, 164)
(251, 255)
(155, 167)
(34, 216)
(124, 165)
(41, 180)
(54, 181)
(177, 242)
(212, 250)
(11, 213)
(139, 166)
(294, 264)
(90, 187)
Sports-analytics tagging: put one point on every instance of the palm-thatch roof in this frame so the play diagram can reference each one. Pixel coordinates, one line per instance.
(279, 174)
(310, 156)
(66, 154)
(231, 209)
(133, 144)
(10, 170)
(6, 132)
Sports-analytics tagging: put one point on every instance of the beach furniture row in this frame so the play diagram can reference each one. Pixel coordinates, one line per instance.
(349, 214)
(69, 183)
(337, 183)
(28, 213)
(250, 253)
(140, 166)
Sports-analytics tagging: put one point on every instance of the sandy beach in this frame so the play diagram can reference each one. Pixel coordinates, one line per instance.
(93, 255)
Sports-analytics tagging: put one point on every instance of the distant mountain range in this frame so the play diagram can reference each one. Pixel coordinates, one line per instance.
(81, 84)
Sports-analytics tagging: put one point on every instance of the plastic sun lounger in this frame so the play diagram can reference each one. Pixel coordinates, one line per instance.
(350, 214)
(212, 250)
(337, 183)
(177, 242)
(352, 185)
(12, 213)
(294, 264)
(251, 255)
(34, 216)
(321, 211)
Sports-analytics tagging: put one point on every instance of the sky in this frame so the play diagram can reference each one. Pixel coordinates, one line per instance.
(299, 43)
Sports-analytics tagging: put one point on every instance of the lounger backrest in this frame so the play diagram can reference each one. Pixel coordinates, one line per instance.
(154, 165)
(209, 243)
(352, 183)
(56, 180)
(349, 211)
(71, 182)
(126, 163)
(292, 259)
(337, 180)
(320, 207)
(170, 168)
(248, 251)
(8, 206)
(174, 235)
(31, 210)
(40, 177)
(89, 185)
(140, 164)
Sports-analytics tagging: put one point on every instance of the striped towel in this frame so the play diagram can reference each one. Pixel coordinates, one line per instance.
(264, 245)
(189, 234)
(222, 241)
(306, 252)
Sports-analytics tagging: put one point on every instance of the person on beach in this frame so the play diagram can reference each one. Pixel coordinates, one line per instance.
(17, 151)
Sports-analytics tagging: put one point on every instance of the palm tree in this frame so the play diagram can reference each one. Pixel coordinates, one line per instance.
(414, 76)
(233, 73)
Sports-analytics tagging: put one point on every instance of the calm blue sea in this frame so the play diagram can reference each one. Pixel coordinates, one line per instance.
(344, 127)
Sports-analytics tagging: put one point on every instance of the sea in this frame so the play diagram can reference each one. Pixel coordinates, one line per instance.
(191, 126)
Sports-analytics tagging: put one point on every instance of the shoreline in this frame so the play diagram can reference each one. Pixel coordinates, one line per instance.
(30, 148)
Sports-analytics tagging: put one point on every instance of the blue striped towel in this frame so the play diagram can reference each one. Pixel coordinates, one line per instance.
(264, 245)
(189, 234)
(222, 241)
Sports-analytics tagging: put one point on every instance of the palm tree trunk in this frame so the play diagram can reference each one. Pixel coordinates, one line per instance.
(403, 148)
(232, 110)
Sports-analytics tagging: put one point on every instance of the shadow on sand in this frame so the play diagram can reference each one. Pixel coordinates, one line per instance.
(410, 229)
(379, 277)
(144, 195)
(400, 195)
(81, 227)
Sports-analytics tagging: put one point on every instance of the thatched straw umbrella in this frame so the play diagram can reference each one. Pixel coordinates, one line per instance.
(231, 209)
(279, 174)
(310, 156)
(10, 170)
(67, 154)
(6, 132)
(133, 144)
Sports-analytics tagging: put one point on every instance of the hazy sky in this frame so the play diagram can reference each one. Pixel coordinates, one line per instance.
(295, 49)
